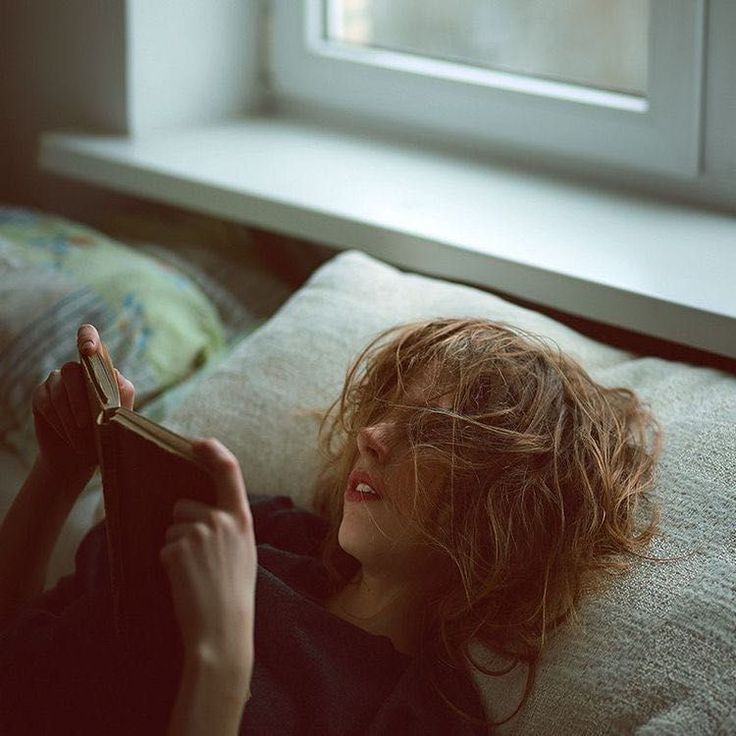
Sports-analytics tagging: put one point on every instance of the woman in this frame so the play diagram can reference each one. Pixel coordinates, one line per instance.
(476, 484)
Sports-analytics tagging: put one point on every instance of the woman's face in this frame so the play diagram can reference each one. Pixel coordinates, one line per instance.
(378, 495)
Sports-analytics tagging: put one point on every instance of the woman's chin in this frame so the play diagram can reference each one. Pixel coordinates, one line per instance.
(351, 542)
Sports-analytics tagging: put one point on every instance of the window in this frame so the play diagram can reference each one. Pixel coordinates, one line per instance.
(618, 82)
(601, 44)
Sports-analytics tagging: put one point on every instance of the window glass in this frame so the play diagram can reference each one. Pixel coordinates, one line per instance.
(595, 43)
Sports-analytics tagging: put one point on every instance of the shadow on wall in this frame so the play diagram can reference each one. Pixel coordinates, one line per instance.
(50, 80)
(290, 259)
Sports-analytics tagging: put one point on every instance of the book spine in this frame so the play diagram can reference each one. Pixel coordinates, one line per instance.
(107, 451)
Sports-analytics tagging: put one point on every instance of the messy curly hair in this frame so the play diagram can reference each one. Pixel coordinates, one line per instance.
(547, 480)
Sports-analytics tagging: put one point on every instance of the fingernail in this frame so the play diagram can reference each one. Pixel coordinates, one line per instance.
(86, 345)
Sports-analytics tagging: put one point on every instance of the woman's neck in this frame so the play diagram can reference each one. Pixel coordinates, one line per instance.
(379, 607)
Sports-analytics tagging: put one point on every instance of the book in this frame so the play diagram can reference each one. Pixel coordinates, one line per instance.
(145, 469)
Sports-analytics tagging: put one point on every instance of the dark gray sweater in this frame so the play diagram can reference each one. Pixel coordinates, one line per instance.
(63, 672)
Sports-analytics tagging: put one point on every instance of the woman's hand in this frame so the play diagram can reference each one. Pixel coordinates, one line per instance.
(62, 419)
(210, 560)
(65, 462)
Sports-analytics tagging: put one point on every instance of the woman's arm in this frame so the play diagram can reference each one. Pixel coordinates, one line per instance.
(210, 559)
(211, 699)
(29, 533)
(65, 463)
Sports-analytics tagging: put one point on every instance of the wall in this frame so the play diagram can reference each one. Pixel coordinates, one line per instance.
(190, 61)
(63, 67)
(114, 66)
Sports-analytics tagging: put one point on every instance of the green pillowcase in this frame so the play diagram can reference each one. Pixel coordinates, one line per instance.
(56, 275)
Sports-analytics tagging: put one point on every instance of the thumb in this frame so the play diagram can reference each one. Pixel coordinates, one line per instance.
(225, 469)
(126, 388)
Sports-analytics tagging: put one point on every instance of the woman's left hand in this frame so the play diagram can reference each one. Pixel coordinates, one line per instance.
(210, 560)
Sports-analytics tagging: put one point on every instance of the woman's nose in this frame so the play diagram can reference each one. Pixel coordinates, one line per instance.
(373, 441)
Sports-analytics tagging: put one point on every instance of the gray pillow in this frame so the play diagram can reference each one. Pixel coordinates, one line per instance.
(653, 653)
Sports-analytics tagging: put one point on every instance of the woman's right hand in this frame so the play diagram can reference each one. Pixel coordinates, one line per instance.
(62, 419)
(210, 559)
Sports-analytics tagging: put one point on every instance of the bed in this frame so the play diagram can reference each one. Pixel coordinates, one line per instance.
(654, 653)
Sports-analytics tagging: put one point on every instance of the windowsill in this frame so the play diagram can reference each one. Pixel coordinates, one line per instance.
(661, 269)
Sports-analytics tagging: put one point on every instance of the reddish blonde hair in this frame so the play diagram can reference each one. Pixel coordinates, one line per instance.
(547, 479)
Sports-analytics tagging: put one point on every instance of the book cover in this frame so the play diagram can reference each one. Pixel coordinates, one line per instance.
(145, 469)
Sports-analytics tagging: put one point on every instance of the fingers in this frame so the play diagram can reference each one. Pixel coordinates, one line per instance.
(225, 469)
(186, 509)
(176, 532)
(60, 405)
(201, 518)
(88, 339)
(43, 405)
(76, 393)
(127, 390)
(199, 527)
(88, 343)
(58, 410)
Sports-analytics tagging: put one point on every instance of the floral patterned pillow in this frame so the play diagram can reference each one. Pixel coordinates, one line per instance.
(55, 275)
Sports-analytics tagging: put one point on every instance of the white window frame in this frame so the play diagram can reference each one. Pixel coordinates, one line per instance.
(660, 134)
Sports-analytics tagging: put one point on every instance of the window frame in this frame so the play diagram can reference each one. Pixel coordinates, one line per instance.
(661, 134)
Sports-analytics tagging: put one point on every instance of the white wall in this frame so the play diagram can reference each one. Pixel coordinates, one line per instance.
(190, 61)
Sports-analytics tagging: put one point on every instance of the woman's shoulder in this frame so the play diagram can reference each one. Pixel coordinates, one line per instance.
(428, 699)
(279, 522)
(289, 541)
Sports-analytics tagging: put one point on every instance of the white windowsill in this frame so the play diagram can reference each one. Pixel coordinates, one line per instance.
(657, 268)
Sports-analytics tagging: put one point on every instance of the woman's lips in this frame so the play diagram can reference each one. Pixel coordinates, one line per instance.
(354, 480)
(351, 495)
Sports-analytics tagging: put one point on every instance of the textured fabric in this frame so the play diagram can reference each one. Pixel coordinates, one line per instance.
(265, 398)
(55, 275)
(62, 672)
(160, 314)
(656, 651)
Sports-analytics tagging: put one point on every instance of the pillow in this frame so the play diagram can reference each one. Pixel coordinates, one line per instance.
(653, 653)
(262, 400)
(54, 275)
